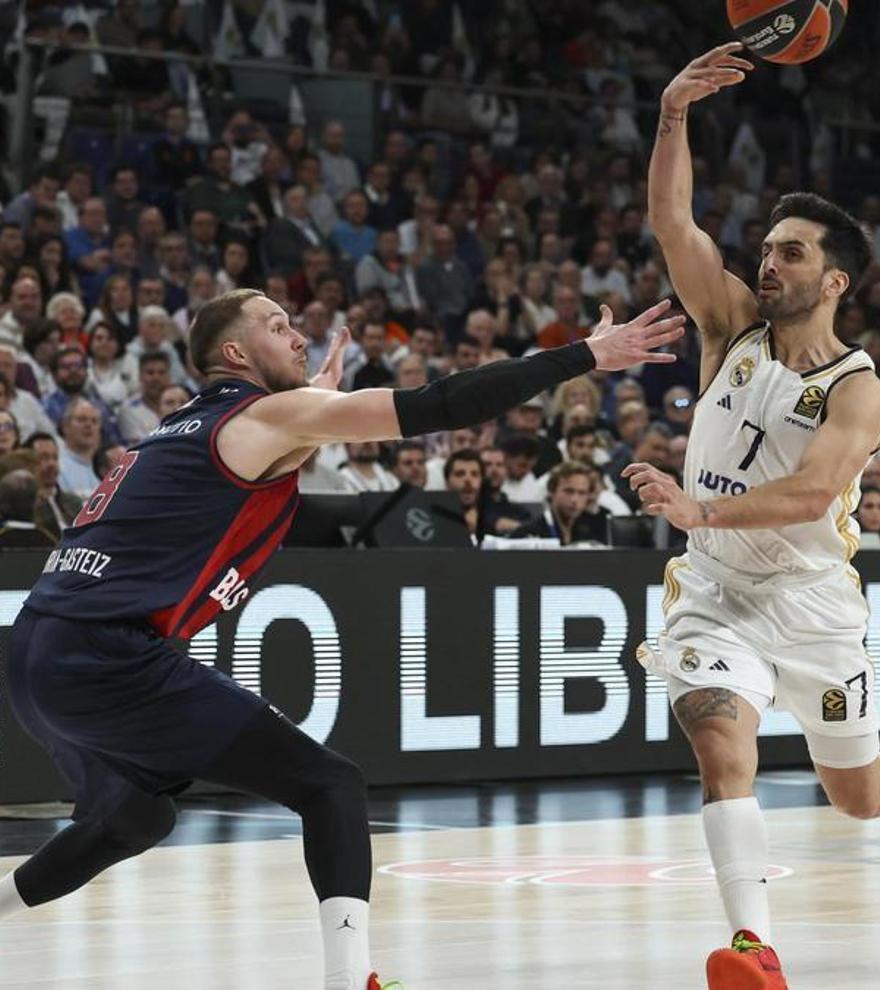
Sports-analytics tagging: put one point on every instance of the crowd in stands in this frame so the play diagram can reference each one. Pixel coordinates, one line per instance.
(472, 234)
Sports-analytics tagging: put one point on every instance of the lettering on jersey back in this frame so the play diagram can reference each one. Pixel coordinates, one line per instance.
(231, 591)
(182, 429)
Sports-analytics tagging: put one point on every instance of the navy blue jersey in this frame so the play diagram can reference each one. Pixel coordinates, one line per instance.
(171, 536)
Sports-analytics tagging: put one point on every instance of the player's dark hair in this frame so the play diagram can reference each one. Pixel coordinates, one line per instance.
(845, 245)
(213, 321)
(465, 454)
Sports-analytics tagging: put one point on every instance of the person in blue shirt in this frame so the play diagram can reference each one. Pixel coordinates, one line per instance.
(353, 237)
(88, 247)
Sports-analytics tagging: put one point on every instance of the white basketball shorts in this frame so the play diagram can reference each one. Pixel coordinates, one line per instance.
(798, 646)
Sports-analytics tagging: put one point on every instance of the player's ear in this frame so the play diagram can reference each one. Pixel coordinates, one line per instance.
(838, 282)
(232, 351)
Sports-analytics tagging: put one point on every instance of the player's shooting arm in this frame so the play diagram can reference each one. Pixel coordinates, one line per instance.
(837, 453)
(719, 302)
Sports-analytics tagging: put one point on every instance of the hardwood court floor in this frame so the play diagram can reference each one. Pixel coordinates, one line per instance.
(612, 904)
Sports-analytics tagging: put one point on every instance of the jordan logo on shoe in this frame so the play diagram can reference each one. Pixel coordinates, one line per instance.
(346, 924)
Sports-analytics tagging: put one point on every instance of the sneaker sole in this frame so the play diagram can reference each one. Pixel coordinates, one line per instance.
(728, 970)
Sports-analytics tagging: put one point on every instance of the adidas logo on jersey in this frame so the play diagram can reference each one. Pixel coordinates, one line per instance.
(720, 665)
(725, 402)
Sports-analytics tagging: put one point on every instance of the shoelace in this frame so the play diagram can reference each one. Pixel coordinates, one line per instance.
(742, 944)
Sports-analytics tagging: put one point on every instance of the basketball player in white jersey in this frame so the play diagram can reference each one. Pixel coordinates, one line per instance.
(764, 608)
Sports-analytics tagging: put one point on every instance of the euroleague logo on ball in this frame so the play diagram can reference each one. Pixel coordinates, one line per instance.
(784, 24)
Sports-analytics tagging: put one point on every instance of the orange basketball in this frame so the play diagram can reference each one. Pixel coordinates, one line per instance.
(789, 31)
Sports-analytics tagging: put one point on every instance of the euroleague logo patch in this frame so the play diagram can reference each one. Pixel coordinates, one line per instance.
(834, 706)
(565, 871)
(811, 401)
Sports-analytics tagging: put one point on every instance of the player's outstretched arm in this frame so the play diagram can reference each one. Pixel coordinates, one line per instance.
(837, 453)
(274, 426)
(719, 302)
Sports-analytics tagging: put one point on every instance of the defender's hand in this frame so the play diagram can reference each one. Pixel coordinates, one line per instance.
(330, 373)
(661, 496)
(619, 347)
(707, 74)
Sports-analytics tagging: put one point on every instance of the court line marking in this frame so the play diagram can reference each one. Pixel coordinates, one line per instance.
(304, 924)
(268, 816)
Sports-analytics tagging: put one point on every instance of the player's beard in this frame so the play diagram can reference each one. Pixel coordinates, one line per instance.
(277, 382)
(790, 303)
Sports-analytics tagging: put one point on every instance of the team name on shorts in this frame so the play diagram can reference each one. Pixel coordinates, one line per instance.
(79, 559)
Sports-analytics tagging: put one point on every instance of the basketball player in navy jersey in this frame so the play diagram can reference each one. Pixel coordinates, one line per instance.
(765, 608)
(175, 534)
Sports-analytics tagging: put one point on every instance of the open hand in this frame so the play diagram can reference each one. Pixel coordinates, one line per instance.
(619, 347)
(330, 373)
(661, 495)
(705, 75)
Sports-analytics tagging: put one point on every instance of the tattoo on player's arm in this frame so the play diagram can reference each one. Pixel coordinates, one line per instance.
(705, 703)
(706, 512)
(668, 121)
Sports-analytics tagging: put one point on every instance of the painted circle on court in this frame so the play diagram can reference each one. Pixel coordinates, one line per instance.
(565, 871)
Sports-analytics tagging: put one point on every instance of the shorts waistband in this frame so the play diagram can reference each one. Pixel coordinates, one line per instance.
(715, 570)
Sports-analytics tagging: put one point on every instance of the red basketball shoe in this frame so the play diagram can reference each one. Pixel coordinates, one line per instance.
(747, 965)
(374, 984)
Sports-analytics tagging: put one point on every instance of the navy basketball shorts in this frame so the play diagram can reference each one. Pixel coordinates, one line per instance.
(117, 706)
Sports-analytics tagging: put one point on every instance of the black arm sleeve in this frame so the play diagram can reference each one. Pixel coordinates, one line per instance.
(480, 394)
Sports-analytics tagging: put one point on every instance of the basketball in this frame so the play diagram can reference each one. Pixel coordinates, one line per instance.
(788, 31)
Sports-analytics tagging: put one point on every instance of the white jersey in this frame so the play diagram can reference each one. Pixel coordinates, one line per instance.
(752, 425)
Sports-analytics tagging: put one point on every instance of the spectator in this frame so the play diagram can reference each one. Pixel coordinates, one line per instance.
(362, 472)
(677, 450)
(630, 422)
(217, 193)
(45, 222)
(463, 473)
(249, 141)
(153, 337)
(81, 430)
(451, 442)
(521, 453)
(465, 354)
(651, 448)
(116, 307)
(317, 479)
(269, 187)
(18, 496)
(411, 371)
(303, 284)
(322, 209)
(535, 312)
(123, 204)
(601, 276)
(202, 246)
(386, 269)
(568, 326)
(173, 397)
(678, 409)
(423, 341)
(55, 271)
(482, 327)
(235, 268)
(150, 231)
(467, 244)
(42, 190)
(107, 377)
(55, 509)
(408, 461)
(340, 174)
(29, 414)
(40, 342)
(70, 372)
(868, 512)
(573, 514)
(77, 189)
(10, 436)
(372, 369)
(500, 516)
(287, 237)
(201, 287)
(88, 248)
(141, 414)
(387, 206)
(445, 108)
(175, 158)
(12, 245)
(173, 269)
(444, 283)
(25, 308)
(316, 325)
(527, 419)
(352, 237)
(580, 444)
(417, 234)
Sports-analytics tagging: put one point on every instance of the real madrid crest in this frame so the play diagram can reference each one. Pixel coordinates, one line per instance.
(742, 373)
(690, 660)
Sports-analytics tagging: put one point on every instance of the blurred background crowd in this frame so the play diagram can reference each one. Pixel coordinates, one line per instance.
(458, 183)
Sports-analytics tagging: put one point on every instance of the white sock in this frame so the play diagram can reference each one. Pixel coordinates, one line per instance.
(737, 840)
(345, 923)
(10, 899)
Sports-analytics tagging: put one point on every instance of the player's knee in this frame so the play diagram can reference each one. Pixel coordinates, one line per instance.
(726, 769)
(857, 805)
(339, 781)
(134, 830)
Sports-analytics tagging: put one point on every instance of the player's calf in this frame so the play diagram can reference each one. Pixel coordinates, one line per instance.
(853, 791)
